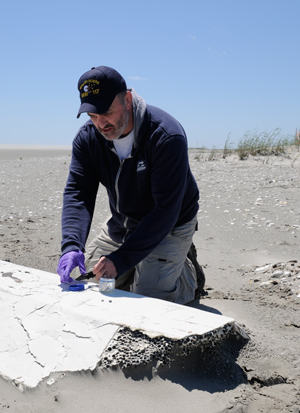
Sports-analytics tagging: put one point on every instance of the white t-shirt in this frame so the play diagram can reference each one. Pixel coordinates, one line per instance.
(123, 146)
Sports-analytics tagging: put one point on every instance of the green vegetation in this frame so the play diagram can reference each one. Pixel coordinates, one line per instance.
(253, 143)
(264, 143)
(213, 154)
(200, 155)
(228, 150)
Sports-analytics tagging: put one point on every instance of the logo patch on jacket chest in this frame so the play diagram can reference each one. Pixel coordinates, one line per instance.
(141, 166)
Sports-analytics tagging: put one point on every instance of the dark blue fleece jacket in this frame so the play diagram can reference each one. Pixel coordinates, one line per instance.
(150, 192)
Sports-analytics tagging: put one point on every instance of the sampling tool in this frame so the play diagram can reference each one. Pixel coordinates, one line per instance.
(85, 276)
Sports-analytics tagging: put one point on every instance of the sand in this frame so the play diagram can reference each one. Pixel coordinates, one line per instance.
(248, 243)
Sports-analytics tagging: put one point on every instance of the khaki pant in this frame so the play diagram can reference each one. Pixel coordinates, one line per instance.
(166, 273)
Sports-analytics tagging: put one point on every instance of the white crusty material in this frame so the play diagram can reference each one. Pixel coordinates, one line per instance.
(46, 328)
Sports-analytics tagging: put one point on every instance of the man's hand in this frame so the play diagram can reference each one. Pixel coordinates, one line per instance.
(68, 262)
(104, 267)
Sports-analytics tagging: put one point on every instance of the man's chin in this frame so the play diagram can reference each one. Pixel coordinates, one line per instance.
(109, 136)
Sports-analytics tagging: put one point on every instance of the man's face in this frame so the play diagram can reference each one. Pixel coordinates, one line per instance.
(116, 121)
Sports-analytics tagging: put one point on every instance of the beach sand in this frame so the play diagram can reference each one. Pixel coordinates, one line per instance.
(248, 243)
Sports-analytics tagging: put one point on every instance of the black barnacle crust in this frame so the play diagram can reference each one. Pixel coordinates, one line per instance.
(132, 348)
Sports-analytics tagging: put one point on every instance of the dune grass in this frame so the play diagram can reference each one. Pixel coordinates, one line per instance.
(253, 143)
(263, 143)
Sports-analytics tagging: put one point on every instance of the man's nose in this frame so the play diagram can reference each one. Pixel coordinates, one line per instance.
(100, 121)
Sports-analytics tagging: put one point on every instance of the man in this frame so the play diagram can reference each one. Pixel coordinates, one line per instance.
(139, 153)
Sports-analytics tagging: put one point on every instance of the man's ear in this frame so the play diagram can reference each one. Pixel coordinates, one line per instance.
(128, 100)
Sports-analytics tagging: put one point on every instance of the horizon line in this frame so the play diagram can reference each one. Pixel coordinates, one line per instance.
(4, 146)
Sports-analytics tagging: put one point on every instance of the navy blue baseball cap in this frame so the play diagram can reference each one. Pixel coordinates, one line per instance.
(98, 87)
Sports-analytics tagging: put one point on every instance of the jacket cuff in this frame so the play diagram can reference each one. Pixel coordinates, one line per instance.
(69, 248)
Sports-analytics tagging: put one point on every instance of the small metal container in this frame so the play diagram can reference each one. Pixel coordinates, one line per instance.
(106, 285)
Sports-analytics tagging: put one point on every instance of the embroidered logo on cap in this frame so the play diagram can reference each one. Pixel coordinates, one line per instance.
(89, 87)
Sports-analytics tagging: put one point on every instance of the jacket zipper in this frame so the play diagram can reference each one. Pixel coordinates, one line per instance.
(117, 192)
(116, 185)
(127, 230)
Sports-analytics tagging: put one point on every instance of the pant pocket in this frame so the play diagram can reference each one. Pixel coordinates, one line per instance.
(156, 274)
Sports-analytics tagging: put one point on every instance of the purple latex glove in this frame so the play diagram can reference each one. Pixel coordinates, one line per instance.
(68, 262)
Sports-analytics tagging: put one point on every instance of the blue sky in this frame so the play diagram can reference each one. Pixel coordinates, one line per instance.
(219, 66)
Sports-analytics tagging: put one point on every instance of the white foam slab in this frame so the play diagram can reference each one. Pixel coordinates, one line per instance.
(46, 328)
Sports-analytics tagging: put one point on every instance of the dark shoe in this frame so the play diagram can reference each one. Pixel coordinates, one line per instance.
(192, 255)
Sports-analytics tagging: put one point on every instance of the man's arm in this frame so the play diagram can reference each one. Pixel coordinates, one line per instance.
(79, 198)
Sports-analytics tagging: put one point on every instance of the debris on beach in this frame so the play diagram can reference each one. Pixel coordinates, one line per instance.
(282, 278)
(48, 330)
